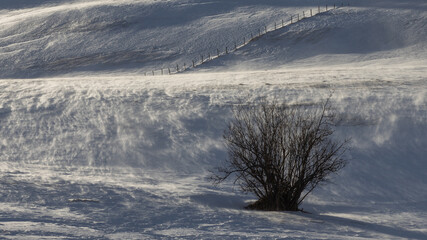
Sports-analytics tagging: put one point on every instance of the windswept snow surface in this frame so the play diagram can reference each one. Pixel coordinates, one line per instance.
(360, 35)
(144, 35)
(96, 150)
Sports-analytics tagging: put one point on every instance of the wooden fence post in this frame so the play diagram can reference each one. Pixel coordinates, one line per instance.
(185, 67)
(169, 69)
(226, 50)
(326, 7)
(235, 45)
(153, 72)
(177, 68)
(298, 17)
(193, 62)
(303, 14)
(201, 57)
(311, 12)
(217, 52)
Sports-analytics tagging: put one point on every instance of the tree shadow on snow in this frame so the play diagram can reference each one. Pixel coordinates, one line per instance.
(217, 200)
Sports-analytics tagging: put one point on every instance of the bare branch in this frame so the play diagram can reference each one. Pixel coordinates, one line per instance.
(277, 151)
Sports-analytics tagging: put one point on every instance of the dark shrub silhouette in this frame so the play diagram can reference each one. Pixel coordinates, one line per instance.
(281, 152)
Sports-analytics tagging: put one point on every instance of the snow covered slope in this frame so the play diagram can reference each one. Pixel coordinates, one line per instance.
(361, 35)
(104, 152)
(126, 157)
(64, 36)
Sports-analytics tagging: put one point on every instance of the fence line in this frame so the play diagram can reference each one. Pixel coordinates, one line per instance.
(261, 31)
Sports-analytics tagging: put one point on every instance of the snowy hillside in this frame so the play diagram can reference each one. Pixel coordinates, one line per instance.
(361, 36)
(126, 34)
(91, 148)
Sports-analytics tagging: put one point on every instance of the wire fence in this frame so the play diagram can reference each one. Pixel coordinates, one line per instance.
(229, 48)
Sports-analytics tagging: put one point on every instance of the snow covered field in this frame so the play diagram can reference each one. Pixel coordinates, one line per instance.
(90, 148)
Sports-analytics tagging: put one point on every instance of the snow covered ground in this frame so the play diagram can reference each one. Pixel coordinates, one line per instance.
(96, 150)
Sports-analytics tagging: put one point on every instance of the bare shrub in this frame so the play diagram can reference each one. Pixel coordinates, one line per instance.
(281, 152)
